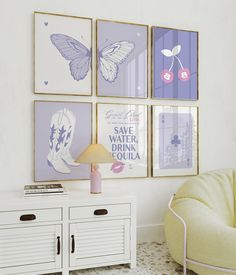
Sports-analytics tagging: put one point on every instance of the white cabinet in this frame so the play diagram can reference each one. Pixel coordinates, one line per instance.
(65, 233)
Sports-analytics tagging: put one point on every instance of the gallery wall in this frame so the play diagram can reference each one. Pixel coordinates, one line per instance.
(215, 22)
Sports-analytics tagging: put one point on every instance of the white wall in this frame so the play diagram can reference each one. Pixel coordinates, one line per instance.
(214, 19)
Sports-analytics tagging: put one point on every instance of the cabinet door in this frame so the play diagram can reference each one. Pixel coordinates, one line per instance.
(99, 242)
(30, 249)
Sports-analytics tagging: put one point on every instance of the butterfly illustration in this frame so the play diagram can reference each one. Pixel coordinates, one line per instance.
(80, 56)
(111, 56)
(74, 51)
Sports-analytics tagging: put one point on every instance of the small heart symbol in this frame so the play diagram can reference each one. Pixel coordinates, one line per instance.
(46, 82)
(45, 23)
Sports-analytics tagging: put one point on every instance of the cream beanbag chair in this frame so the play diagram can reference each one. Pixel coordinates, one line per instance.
(206, 203)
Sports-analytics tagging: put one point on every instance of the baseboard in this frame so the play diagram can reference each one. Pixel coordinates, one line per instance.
(150, 233)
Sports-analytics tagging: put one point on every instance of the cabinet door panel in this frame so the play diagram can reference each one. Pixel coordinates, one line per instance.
(100, 241)
(29, 247)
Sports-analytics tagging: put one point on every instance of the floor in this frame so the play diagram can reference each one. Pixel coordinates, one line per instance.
(152, 259)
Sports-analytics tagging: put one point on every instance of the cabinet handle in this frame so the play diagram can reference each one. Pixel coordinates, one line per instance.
(100, 212)
(58, 245)
(73, 244)
(28, 217)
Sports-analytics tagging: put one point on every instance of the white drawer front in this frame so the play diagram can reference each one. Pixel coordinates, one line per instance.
(98, 211)
(30, 216)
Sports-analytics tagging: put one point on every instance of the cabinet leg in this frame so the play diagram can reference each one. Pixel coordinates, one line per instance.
(132, 265)
(65, 272)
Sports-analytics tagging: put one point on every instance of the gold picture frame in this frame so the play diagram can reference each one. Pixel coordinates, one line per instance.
(184, 94)
(62, 76)
(118, 122)
(171, 126)
(64, 115)
(111, 83)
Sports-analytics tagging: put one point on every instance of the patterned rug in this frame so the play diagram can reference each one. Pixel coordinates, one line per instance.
(152, 259)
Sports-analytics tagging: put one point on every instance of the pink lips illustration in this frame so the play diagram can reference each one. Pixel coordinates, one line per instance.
(117, 167)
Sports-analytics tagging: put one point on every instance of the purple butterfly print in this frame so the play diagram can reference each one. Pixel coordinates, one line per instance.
(110, 57)
(74, 51)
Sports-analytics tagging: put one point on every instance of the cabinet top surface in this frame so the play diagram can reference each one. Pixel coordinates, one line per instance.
(9, 200)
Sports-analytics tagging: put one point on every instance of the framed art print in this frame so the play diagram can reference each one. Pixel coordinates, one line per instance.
(62, 131)
(125, 137)
(122, 59)
(174, 141)
(174, 64)
(63, 52)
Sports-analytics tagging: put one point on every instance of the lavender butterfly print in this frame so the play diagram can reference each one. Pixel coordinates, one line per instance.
(75, 52)
(109, 58)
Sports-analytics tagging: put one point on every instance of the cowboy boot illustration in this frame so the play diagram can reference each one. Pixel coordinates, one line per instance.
(58, 128)
(65, 154)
